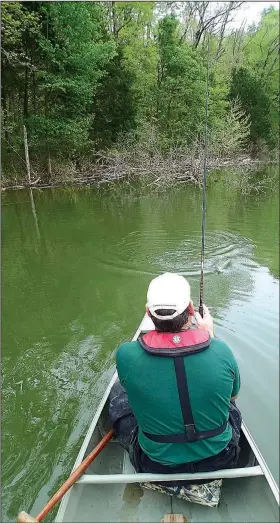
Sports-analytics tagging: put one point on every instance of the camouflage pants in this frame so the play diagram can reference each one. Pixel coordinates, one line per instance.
(126, 429)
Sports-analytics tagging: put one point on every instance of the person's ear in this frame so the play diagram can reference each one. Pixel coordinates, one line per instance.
(191, 308)
(148, 312)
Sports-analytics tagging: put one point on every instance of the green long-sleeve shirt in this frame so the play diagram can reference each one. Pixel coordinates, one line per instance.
(150, 382)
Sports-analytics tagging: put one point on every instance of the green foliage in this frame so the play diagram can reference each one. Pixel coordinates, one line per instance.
(19, 26)
(75, 60)
(124, 94)
(114, 105)
(64, 62)
(180, 91)
(254, 101)
(83, 76)
(262, 57)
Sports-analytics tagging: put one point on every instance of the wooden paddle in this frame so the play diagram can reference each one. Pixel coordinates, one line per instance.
(23, 517)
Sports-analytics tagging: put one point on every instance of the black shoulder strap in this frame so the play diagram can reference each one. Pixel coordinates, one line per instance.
(190, 433)
(184, 397)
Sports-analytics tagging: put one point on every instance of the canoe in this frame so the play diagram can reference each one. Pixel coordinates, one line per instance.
(110, 489)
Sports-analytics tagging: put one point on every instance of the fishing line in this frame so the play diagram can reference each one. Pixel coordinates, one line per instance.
(200, 308)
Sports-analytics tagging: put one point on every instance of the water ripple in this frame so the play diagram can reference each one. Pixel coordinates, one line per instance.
(143, 253)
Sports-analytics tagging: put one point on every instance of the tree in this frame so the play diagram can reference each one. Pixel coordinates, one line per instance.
(262, 57)
(254, 101)
(124, 94)
(75, 56)
(180, 88)
(20, 28)
(56, 53)
(114, 105)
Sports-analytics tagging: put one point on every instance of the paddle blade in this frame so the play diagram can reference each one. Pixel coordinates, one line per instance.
(23, 517)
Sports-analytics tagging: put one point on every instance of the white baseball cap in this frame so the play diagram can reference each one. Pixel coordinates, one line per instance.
(168, 291)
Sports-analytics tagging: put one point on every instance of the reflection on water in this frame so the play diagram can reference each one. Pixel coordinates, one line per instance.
(77, 289)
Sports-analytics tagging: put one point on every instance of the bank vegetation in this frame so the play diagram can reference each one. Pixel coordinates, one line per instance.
(108, 90)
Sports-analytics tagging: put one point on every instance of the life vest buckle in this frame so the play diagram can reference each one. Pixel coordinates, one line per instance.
(190, 432)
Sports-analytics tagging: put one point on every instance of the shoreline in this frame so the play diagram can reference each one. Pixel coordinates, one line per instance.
(103, 174)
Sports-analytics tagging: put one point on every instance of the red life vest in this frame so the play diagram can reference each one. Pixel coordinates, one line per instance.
(177, 345)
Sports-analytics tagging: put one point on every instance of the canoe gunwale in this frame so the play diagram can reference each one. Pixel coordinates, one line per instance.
(266, 472)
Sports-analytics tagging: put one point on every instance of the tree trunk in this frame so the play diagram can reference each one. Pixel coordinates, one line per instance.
(26, 154)
(114, 17)
(49, 165)
(25, 98)
(148, 31)
(33, 86)
(34, 92)
(4, 102)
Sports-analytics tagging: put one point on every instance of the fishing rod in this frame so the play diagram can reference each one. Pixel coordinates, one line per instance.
(200, 308)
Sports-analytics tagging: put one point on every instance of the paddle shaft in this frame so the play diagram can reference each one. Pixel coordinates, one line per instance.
(70, 481)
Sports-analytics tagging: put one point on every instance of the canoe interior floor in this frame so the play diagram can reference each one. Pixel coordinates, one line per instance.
(246, 499)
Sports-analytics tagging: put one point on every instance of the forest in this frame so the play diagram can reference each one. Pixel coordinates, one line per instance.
(106, 89)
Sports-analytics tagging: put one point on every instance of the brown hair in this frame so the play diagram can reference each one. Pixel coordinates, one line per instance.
(174, 325)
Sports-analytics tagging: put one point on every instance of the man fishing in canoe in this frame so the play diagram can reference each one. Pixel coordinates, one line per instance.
(173, 409)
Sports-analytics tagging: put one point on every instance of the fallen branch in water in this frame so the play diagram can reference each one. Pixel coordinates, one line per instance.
(152, 166)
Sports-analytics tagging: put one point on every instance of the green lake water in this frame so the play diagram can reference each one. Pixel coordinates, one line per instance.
(76, 264)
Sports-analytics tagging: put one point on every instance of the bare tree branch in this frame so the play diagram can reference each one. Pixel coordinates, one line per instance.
(269, 53)
(217, 18)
